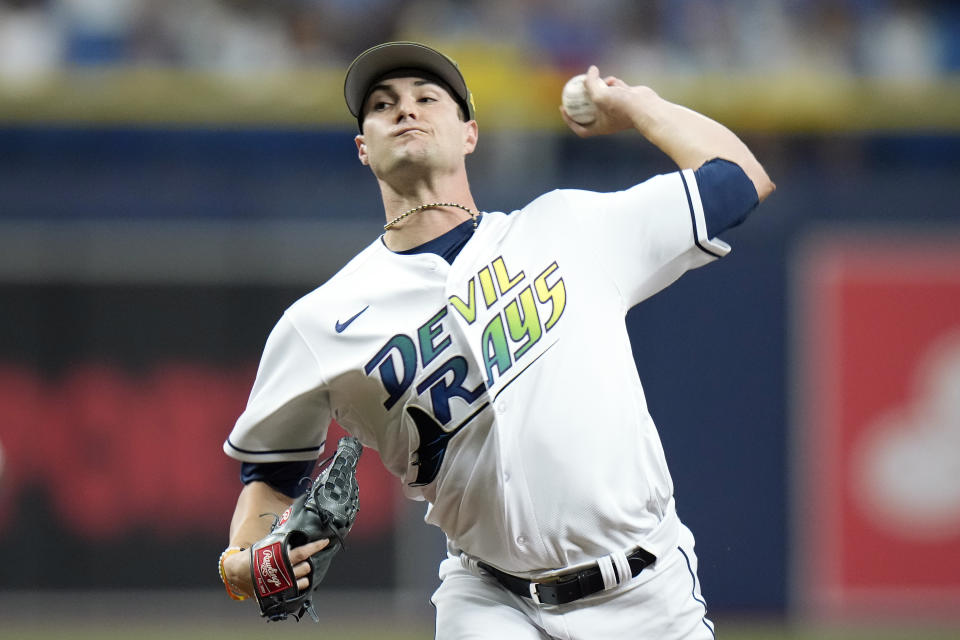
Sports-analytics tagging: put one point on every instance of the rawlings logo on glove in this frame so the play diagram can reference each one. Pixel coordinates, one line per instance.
(271, 578)
(327, 511)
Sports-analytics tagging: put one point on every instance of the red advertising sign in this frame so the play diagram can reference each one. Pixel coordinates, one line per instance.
(118, 452)
(877, 348)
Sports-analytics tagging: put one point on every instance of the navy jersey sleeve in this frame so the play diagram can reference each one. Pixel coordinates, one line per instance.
(728, 195)
(286, 477)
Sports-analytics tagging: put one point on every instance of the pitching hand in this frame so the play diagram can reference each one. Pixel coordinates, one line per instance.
(618, 104)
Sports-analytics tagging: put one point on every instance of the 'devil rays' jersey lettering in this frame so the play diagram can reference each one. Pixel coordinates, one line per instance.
(517, 311)
(520, 324)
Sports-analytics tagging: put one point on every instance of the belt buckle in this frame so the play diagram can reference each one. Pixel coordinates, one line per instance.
(534, 594)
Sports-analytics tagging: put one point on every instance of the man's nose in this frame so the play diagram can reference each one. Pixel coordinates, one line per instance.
(406, 108)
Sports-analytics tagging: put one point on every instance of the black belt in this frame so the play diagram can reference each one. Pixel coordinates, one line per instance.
(567, 587)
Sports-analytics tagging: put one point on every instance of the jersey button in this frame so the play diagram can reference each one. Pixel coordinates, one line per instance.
(502, 407)
(521, 540)
(506, 477)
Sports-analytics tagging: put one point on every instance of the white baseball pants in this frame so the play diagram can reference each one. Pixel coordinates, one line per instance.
(662, 603)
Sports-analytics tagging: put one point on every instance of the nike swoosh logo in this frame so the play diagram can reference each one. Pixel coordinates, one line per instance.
(343, 325)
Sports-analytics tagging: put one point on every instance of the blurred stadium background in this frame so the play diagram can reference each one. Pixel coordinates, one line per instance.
(174, 174)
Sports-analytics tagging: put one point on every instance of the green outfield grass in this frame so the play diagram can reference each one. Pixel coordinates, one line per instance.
(212, 631)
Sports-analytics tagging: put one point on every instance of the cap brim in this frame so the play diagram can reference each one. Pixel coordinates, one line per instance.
(377, 61)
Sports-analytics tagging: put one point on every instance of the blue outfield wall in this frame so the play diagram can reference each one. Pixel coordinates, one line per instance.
(713, 350)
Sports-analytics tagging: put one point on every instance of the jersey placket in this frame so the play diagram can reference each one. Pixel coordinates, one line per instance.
(516, 505)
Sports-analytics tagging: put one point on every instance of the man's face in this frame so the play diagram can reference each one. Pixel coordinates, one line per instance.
(413, 124)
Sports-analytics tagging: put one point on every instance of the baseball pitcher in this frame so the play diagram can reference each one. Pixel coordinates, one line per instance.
(484, 356)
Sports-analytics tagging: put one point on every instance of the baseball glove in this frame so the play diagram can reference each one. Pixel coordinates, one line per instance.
(327, 510)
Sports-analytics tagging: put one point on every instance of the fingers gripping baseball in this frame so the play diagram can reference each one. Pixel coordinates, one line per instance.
(615, 102)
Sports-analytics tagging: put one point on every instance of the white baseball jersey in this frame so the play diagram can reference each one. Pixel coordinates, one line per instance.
(501, 388)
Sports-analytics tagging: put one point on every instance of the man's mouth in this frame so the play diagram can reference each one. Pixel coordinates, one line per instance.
(408, 130)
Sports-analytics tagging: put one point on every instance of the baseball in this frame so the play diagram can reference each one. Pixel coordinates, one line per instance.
(576, 102)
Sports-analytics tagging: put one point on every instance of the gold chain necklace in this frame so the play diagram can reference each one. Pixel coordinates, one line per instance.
(433, 205)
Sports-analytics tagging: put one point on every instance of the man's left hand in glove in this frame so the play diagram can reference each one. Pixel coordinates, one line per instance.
(236, 568)
(316, 521)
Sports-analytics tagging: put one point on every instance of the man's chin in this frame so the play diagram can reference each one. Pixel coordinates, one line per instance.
(415, 160)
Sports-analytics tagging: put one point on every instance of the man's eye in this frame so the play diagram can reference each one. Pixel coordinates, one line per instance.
(380, 106)
(427, 99)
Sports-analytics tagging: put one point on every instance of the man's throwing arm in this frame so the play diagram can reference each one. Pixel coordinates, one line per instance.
(689, 138)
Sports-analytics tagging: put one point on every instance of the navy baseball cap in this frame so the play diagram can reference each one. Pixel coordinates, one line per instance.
(376, 62)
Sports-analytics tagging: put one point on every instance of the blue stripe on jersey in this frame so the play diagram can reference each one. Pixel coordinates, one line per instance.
(286, 477)
(448, 245)
(266, 453)
(693, 217)
(727, 194)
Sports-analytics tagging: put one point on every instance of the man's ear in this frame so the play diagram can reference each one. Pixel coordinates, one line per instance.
(471, 133)
(361, 150)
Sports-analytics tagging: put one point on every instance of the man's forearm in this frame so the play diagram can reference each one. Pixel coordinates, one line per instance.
(690, 138)
(248, 524)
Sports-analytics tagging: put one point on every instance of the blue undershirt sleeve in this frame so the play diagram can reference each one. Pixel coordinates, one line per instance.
(727, 194)
(286, 477)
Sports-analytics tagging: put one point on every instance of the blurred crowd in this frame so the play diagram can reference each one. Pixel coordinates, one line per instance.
(856, 37)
